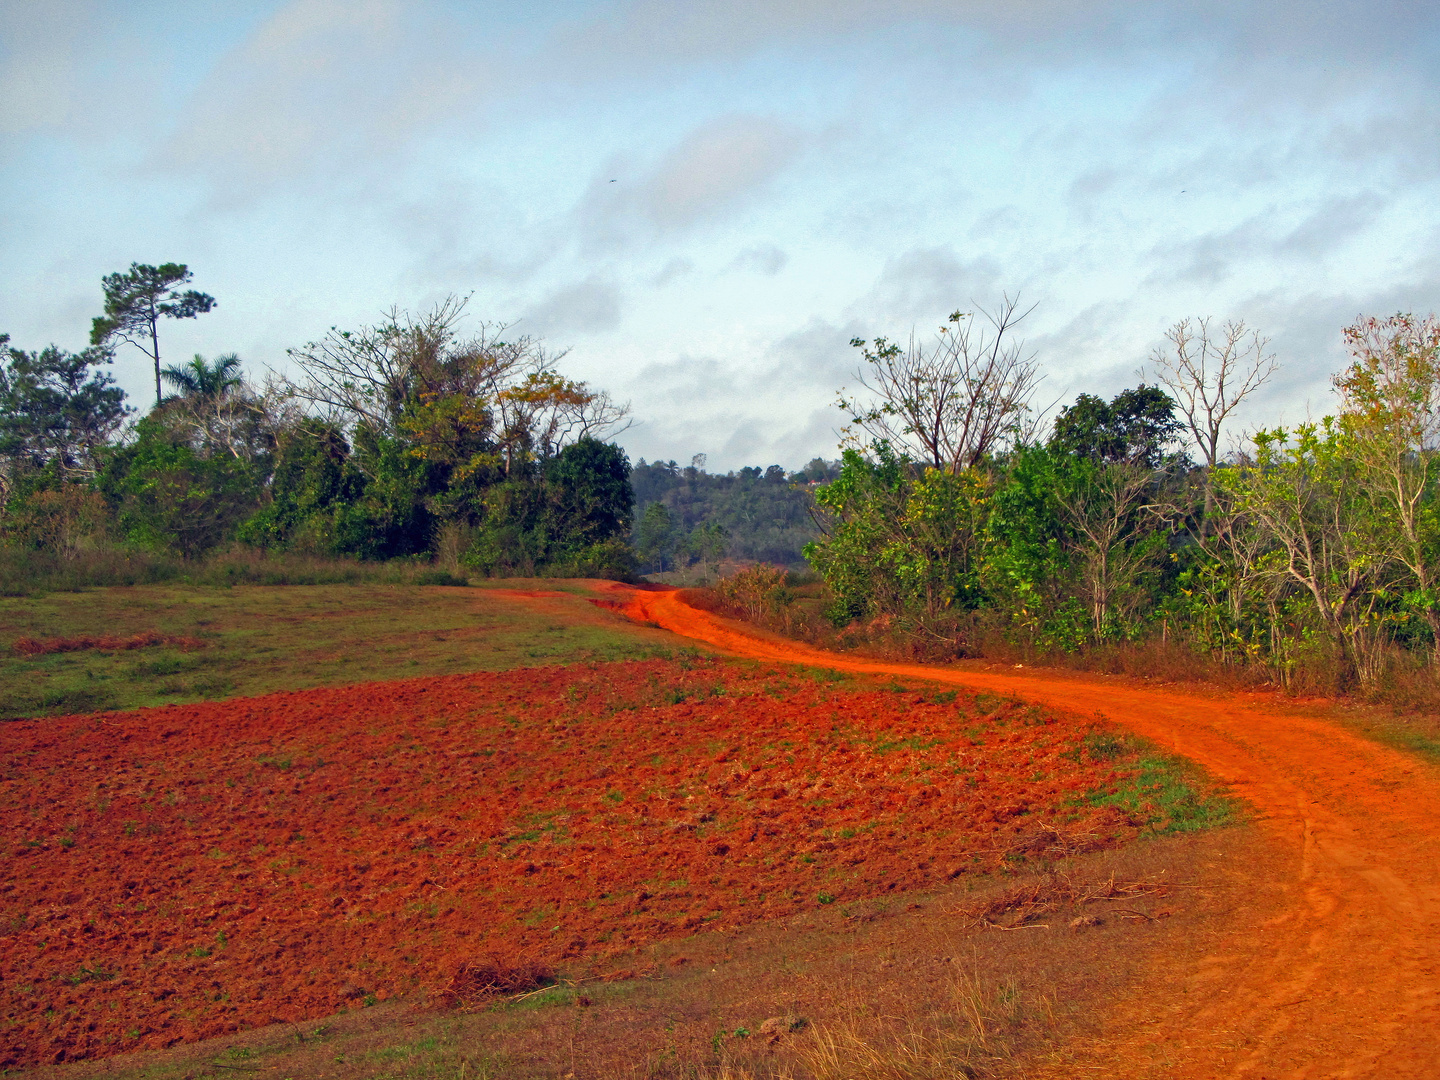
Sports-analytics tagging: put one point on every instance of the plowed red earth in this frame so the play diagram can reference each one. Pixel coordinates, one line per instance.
(175, 873)
(1346, 982)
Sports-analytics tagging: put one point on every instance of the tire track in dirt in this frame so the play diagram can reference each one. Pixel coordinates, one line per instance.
(1345, 981)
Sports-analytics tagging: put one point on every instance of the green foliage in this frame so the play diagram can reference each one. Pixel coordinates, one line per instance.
(56, 408)
(655, 537)
(571, 519)
(1054, 547)
(170, 497)
(756, 591)
(201, 378)
(861, 505)
(901, 540)
(753, 515)
(313, 479)
(1134, 427)
(589, 486)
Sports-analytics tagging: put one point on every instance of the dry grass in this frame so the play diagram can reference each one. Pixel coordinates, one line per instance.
(258, 639)
(35, 573)
(1017, 908)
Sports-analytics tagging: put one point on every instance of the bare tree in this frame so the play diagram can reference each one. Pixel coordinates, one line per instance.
(1210, 374)
(952, 403)
(1113, 552)
(508, 386)
(371, 375)
(243, 420)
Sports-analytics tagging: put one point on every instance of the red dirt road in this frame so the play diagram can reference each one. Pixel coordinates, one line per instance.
(1346, 982)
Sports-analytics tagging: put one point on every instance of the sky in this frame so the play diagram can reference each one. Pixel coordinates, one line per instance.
(705, 202)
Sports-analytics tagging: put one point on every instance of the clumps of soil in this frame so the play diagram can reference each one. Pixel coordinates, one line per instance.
(29, 646)
(176, 873)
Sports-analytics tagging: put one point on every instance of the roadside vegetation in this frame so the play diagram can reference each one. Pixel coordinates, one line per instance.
(1304, 558)
(1136, 533)
(956, 522)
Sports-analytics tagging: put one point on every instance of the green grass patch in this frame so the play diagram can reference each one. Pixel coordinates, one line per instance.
(260, 639)
(1165, 793)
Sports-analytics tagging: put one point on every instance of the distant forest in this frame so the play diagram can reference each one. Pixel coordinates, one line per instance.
(686, 516)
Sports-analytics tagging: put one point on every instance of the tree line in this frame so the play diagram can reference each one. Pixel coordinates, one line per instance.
(403, 439)
(957, 517)
(687, 516)
(954, 516)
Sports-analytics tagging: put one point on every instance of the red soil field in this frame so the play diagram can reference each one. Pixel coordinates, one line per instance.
(174, 873)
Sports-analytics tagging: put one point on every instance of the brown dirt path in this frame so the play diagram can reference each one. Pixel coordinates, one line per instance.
(1345, 982)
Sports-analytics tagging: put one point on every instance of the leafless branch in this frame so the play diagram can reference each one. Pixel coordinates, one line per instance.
(1209, 374)
(952, 403)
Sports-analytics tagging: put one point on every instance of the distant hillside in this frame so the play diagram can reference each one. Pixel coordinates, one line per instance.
(687, 515)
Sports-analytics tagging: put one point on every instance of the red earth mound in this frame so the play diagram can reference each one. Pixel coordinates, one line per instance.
(175, 873)
(29, 646)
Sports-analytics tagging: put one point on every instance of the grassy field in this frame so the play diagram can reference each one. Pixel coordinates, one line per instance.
(259, 639)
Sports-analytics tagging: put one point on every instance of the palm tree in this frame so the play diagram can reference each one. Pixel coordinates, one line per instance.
(203, 379)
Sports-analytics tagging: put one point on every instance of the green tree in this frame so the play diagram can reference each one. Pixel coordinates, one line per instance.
(201, 378)
(1391, 398)
(313, 485)
(1117, 544)
(571, 518)
(56, 408)
(708, 544)
(135, 302)
(1133, 428)
(170, 496)
(1029, 570)
(589, 488)
(1306, 492)
(899, 542)
(655, 536)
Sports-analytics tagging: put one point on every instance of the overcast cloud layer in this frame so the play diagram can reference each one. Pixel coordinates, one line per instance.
(705, 202)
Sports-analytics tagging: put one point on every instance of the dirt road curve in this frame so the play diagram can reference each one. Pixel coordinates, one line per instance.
(1346, 981)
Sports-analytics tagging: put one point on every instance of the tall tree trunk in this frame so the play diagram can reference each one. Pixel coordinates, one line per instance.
(155, 354)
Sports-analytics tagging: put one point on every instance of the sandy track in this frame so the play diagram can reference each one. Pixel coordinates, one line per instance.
(1345, 982)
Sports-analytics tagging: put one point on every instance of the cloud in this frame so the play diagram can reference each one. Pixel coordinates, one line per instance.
(707, 174)
(673, 270)
(815, 359)
(1217, 256)
(72, 66)
(777, 408)
(927, 283)
(39, 70)
(646, 34)
(764, 259)
(591, 306)
(321, 86)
